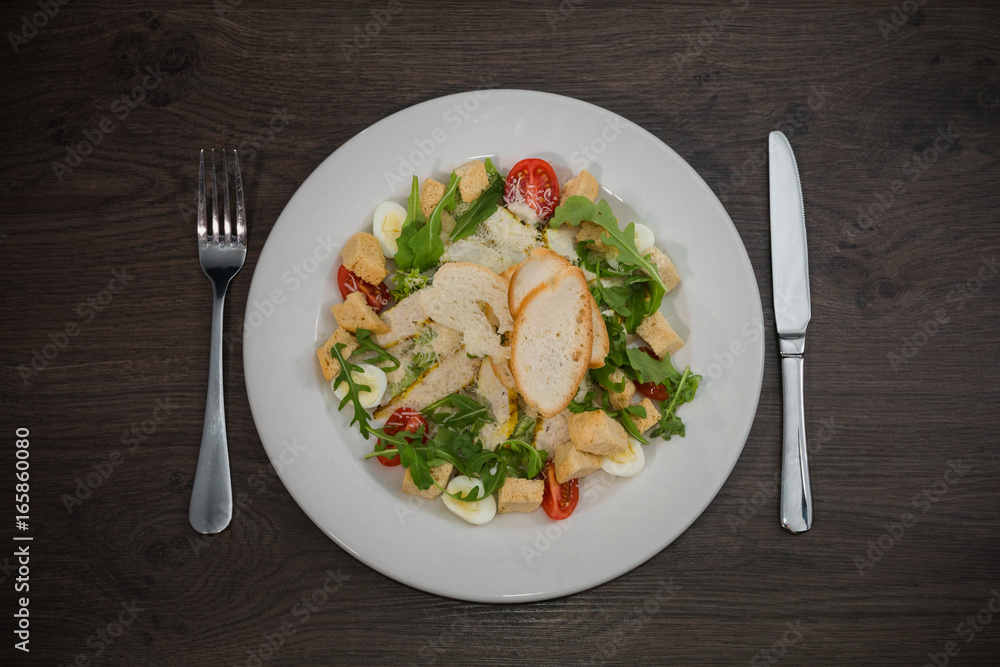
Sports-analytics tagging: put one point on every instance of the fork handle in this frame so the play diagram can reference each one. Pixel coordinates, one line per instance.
(212, 498)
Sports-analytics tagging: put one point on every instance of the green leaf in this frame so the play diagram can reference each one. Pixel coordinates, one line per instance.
(457, 411)
(520, 458)
(481, 207)
(406, 283)
(525, 428)
(648, 369)
(586, 405)
(414, 220)
(366, 344)
(426, 242)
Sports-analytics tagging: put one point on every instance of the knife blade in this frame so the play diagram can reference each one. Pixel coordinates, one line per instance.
(792, 311)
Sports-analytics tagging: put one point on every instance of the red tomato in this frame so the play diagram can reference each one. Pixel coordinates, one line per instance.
(534, 182)
(377, 295)
(403, 419)
(657, 392)
(559, 500)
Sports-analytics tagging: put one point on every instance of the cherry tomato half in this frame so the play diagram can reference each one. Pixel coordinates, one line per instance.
(403, 419)
(534, 182)
(377, 295)
(657, 392)
(558, 500)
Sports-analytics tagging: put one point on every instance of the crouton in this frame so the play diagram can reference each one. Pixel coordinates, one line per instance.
(591, 232)
(363, 256)
(643, 424)
(622, 398)
(656, 331)
(665, 267)
(595, 432)
(441, 475)
(430, 194)
(355, 313)
(473, 180)
(571, 463)
(520, 495)
(329, 363)
(584, 185)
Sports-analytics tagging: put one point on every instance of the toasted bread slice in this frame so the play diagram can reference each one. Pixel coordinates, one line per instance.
(501, 368)
(552, 342)
(602, 344)
(542, 266)
(459, 297)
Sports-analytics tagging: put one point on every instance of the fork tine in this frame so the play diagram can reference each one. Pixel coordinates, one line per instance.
(227, 237)
(241, 216)
(202, 217)
(215, 203)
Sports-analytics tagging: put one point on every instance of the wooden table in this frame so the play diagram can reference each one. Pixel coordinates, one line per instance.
(894, 113)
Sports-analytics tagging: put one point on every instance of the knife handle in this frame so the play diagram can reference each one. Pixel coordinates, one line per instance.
(796, 494)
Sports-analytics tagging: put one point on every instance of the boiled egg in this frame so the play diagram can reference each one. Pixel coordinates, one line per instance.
(643, 237)
(626, 464)
(387, 225)
(370, 376)
(478, 512)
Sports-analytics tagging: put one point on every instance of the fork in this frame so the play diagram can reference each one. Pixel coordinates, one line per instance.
(222, 253)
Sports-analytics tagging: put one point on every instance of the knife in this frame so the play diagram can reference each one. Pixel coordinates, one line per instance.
(790, 267)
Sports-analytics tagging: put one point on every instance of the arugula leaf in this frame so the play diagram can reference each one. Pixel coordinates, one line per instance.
(481, 207)
(426, 242)
(414, 220)
(578, 209)
(525, 427)
(586, 405)
(670, 424)
(623, 416)
(366, 344)
(457, 411)
(648, 369)
(354, 389)
(520, 458)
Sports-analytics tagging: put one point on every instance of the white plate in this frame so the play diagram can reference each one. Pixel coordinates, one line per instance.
(518, 557)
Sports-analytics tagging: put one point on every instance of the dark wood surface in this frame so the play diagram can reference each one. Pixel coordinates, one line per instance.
(902, 361)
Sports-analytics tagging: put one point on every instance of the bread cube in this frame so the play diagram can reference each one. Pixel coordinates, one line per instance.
(441, 475)
(661, 337)
(430, 194)
(473, 180)
(643, 424)
(363, 256)
(620, 399)
(329, 363)
(355, 313)
(520, 495)
(584, 185)
(597, 433)
(571, 463)
(591, 232)
(665, 267)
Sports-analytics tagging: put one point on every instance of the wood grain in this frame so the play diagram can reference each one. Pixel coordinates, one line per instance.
(863, 104)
